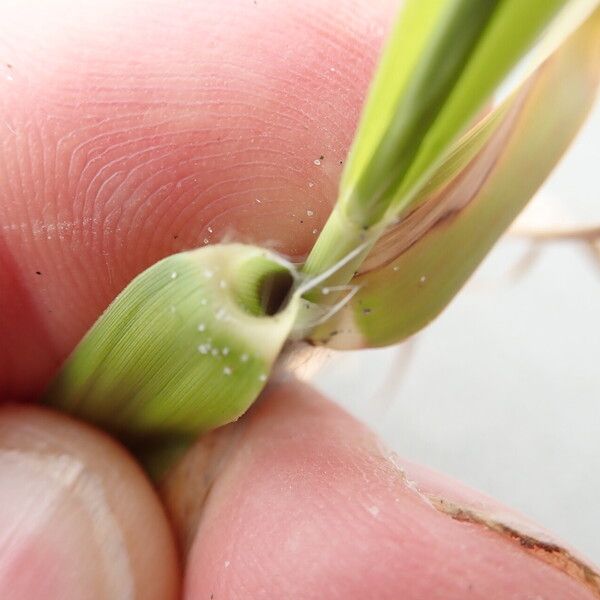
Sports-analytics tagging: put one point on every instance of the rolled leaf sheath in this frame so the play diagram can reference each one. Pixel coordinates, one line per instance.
(186, 347)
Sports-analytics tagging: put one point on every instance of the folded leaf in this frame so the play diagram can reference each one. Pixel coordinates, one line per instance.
(420, 264)
(444, 61)
(187, 346)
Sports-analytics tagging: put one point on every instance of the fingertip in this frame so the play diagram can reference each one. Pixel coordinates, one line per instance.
(307, 504)
(119, 152)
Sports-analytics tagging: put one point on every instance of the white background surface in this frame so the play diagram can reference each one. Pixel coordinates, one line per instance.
(502, 391)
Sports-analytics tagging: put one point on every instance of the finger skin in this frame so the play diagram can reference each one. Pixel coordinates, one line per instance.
(302, 502)
(134, 129)
(78, 519)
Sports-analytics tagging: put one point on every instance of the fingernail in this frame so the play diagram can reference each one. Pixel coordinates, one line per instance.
(58, 536)
(468, 506)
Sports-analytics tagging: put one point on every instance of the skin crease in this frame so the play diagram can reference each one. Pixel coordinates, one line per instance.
(130, 130)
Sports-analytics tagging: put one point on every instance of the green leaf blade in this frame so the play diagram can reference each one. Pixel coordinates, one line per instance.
(419, 266)
(453, 30)
(444, 61)
(514, 28)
